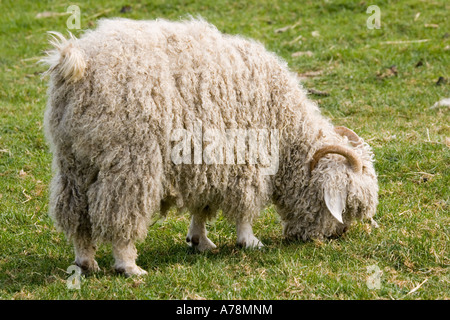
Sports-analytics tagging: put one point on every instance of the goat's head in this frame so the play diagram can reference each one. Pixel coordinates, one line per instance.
(342, 187)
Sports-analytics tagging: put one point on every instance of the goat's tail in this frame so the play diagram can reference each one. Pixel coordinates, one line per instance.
(66, 58)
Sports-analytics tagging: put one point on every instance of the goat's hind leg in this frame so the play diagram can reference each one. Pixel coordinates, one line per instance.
(68, 208)
(85, 253)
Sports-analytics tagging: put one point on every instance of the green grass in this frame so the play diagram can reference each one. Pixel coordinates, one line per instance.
(391, 110)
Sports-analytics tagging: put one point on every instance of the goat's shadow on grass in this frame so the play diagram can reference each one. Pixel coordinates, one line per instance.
(153, 258)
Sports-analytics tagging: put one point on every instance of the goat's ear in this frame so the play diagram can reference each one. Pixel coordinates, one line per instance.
(335, 200)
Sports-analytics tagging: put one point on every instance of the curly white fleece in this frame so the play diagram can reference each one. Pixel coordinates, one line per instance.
(116, 95)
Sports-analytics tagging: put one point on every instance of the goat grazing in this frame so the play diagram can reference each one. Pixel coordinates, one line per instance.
(130, 100)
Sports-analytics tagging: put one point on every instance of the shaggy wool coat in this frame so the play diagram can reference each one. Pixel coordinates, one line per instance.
(119, 92)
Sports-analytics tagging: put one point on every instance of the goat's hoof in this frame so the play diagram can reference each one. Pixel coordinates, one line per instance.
(131, 271)
(250, 243)
(200, 243)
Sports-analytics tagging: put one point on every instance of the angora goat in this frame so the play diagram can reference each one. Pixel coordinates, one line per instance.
(123, 96)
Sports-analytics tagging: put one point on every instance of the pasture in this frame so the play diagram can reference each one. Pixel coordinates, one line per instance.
(383, 83)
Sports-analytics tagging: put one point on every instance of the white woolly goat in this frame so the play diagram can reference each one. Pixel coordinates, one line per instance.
(119, 93)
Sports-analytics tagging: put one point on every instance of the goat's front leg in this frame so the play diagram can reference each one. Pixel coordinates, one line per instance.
(196, 236)
(245, 236)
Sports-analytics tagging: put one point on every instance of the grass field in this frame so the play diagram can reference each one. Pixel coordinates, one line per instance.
(383, 83)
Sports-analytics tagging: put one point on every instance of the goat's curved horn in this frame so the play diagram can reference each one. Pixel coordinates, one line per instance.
(348, 153)
(350, 134)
